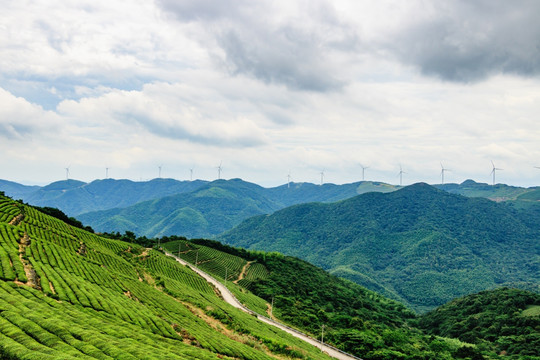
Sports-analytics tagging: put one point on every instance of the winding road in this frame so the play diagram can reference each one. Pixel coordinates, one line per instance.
(231, 299)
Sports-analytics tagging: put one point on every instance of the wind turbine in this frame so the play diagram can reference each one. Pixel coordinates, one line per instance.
(67, 172)
(493, 171)
(442, 173)
(191, 174)
(159, 167)
(322, 177)
(401, 172)
(219, 169)
(289, 180)
(106, 173)
(363, 170)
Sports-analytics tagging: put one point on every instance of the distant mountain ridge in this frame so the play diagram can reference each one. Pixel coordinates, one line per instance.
(209, 210)
(119, 205)
(420, 245)
(76, 197)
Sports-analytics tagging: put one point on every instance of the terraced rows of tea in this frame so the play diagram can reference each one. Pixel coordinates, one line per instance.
(239, 273)
(69, 294)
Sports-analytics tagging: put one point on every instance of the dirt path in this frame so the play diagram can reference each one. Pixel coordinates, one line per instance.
(17, 219)
(243, 272)
(231, 299)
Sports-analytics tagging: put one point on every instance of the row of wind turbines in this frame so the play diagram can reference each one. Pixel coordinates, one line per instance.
(219, 168)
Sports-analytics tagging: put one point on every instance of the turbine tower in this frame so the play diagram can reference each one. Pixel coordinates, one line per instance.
(493, 171)
(159, 167)
(106, 173)
(363, 171)
(442, 173)
(191, 174)
(219, 169)
(289, 180)
(67, 172)
(322, 177)
(401, 172)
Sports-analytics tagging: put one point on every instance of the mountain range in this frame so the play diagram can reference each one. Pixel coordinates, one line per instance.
(419, 245)
(206, 209)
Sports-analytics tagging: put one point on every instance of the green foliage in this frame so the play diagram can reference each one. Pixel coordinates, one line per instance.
(217, 207)
(356, 320)
(417, 245)
(92, 297)
(504, 320)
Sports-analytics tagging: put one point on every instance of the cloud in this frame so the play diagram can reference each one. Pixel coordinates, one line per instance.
(468, 41)
(303, 47)
(169, 111)
(318, 45)
(20, 119)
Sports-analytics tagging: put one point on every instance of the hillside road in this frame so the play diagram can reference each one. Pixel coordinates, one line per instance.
(231, 299)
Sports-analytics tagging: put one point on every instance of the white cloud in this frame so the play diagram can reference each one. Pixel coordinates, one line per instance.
(270, 87)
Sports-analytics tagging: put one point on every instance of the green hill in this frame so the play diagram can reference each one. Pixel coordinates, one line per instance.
(215, 207)
(527, 199)
(504, 321)
(69, 294)
(16, 190)
(299, 193)
(207, 211)
(355, 319)
(419, 245)
(76, 197)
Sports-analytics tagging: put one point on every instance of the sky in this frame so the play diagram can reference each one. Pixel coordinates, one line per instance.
(270, 89)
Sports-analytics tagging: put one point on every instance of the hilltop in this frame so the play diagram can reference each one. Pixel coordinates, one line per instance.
(419, 245)
(76, 197)
(215, 207)
(209, 210)
(123, 205)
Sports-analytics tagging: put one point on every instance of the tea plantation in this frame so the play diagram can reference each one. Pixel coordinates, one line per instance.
(69, 294)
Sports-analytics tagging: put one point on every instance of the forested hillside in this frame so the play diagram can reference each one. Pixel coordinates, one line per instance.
(69, 294)
(210, 210)
(353, 318)
(216, 207)
(505, 321)
(419, 245)
(124, 205)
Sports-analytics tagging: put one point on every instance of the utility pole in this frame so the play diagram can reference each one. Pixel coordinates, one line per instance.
(197, 257)
(322, 337)
(272, 308)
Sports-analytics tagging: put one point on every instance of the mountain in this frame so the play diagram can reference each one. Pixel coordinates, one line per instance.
(419, 245)
(506, 321)
(88, 201)
(299, 193)
(69, 294)
(16, 190)
(207, 211)
(75, 197)
(497, 192)
(215, 207)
